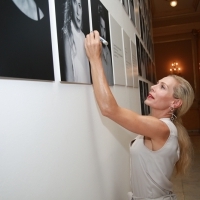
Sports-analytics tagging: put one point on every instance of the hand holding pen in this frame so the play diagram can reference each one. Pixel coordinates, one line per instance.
(93, 45)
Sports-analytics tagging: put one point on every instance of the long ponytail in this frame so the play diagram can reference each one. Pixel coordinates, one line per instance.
(184, 92)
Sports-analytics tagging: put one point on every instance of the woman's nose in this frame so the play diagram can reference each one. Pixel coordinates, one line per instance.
(78, 11)
(152, 87)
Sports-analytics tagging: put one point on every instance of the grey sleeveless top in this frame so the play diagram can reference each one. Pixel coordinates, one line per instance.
(151, 170)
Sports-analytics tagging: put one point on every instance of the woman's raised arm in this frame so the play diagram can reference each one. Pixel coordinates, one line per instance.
(144, 125)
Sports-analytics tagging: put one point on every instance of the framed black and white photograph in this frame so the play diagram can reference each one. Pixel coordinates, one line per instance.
(137, 17)
(132, 11)
(100, 22)
(141, 85)
(134, 63)
(141, 24)
(138, 47)
(126, 6)
(144, 91)
(117, 53)
(25, 40)
(127, 59)
(72, 19)
(143, 61)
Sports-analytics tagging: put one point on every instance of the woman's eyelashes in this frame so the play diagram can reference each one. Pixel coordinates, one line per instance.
(162, 86)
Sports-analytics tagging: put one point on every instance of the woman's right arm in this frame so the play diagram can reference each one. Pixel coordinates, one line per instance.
(143, 125)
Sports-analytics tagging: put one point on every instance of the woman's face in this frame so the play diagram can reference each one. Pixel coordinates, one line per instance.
(161, 95)
(77, 13)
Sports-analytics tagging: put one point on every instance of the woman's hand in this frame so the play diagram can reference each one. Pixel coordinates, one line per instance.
(93, 46)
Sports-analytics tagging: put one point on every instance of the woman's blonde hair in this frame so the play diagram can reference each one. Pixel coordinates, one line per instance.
(184, 92)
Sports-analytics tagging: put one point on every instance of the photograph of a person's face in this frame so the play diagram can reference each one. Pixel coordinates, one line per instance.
(100, 22)
(72, 26)
(25, 38)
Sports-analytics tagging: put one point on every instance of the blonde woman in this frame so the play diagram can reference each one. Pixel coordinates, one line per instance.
(162, 142)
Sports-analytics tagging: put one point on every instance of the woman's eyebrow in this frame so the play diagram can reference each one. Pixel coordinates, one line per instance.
(164, 83)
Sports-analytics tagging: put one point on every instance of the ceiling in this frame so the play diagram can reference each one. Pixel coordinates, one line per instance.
(167, 20)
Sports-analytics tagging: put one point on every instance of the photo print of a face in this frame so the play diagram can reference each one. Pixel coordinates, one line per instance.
(25, 40)
(72, 19)
(100, 22)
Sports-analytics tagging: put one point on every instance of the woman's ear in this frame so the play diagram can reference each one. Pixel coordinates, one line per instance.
(177, 103)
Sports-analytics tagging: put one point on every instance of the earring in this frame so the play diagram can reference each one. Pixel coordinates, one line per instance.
(173, 116)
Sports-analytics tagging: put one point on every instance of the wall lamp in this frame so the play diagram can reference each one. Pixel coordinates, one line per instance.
(175, 69)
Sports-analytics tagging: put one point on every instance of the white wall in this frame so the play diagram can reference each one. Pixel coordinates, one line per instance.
(55, 144)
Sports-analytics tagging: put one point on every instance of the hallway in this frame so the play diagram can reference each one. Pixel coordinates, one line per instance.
(188, 188)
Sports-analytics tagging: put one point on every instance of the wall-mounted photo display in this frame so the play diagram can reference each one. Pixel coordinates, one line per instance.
(141, 24)
(127, 59)
(72, 19)
(144, 90)
(154, 74)
(145, 34)
(126, 6)
(117, 52)
(149, 70)
(25, 40)
(137, 16)
(142, 97)
(138, 46)
(132, 11)
(135, 64)
(146, 93)
(100, 22)
(143, 61)
(148, 43)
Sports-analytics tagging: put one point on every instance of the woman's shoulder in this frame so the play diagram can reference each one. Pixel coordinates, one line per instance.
(171, 126)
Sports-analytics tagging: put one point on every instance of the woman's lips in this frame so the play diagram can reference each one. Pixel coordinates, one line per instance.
(150, 96)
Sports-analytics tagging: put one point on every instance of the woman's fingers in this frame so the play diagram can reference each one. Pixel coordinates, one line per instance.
(93, 45)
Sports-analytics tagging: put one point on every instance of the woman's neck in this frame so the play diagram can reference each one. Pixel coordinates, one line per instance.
(160, 114)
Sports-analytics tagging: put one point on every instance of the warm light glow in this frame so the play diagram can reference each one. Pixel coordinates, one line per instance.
(173, 3)
(175, 68)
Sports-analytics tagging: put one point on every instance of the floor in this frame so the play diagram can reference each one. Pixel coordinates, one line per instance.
(188, 188)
